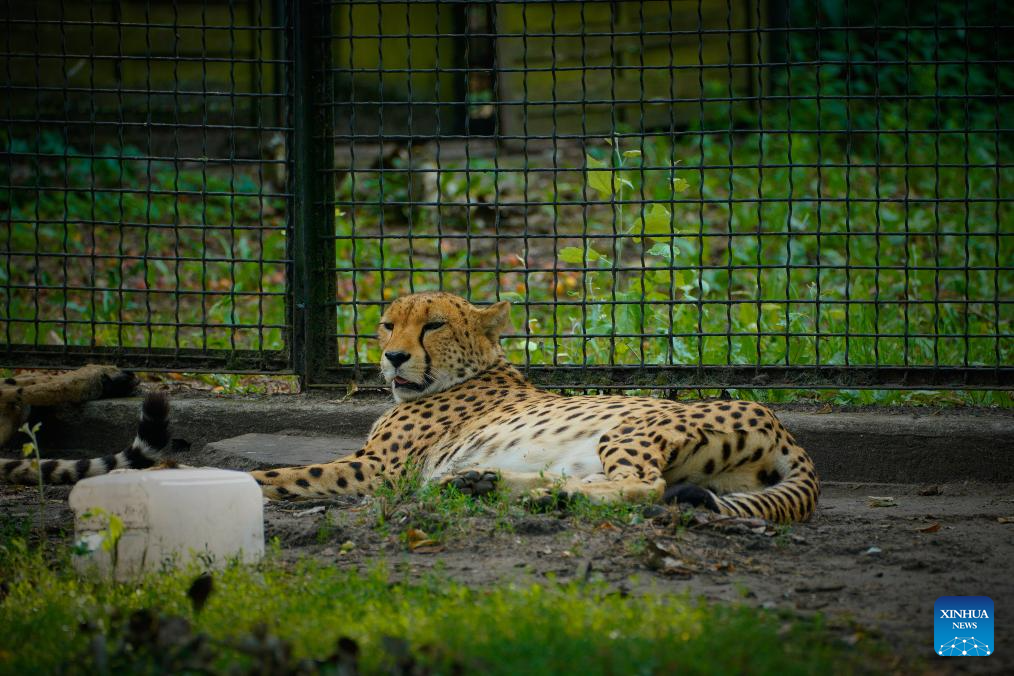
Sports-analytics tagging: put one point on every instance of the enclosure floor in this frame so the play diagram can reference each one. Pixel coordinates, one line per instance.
(825, 566)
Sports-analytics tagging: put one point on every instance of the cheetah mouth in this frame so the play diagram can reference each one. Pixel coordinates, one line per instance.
(406, 384)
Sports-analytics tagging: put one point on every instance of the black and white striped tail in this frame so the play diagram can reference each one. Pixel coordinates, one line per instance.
(152, 437)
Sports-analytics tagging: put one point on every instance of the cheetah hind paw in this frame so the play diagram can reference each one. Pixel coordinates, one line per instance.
(472, 482)
(689, 494)
(118, 384)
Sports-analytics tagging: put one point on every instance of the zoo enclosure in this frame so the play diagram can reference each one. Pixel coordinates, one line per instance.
(675, 194)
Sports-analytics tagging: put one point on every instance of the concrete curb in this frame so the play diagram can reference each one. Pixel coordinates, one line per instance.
(908, 446)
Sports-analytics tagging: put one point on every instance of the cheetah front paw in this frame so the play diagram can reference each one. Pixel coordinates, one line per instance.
(472, 481)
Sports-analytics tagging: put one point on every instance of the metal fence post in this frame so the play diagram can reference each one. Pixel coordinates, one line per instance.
(313, 245)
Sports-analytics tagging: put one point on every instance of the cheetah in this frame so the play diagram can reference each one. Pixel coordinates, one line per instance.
(465, 416)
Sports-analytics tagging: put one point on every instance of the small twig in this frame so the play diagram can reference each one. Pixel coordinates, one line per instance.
(820, 589)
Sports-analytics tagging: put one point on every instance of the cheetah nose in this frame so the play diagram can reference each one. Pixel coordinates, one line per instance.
(397, 358)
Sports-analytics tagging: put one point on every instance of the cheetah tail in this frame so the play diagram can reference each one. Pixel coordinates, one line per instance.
(793, 497)
(144, 451)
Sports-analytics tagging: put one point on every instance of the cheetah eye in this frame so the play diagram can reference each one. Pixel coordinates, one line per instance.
(432, 326)
(388, 325)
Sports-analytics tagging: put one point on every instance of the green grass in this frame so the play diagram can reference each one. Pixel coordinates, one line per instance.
(435, 510)
(443, 512)
(53, 622)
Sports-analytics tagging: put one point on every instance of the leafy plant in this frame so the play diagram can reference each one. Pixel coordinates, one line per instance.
(31, 447)
(111, 535)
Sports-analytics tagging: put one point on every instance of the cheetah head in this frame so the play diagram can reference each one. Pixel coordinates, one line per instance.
(432, 341)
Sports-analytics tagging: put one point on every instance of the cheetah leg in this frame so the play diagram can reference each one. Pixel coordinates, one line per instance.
(617, 490)
(88, 382)
(480, 481)
(347, 476)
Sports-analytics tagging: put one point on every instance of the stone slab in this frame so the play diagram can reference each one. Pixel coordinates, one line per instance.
(260, 451)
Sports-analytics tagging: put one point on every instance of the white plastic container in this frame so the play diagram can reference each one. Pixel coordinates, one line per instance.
(169, 517)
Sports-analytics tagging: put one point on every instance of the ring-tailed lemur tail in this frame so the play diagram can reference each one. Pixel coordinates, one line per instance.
(144, 451)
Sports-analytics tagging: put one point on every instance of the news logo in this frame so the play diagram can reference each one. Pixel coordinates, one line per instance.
(963, 626)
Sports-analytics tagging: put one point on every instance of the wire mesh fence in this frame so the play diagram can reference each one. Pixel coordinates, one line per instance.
(724, 193)
(674, 194)
(144, 195)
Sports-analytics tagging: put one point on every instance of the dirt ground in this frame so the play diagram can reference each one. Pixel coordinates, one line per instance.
(872, 567)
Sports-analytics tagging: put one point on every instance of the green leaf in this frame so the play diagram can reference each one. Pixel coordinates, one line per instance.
(680, 184)
(577, 255)
(114, 532)
(666, 251)
(27, 449)
(571, 254)
(600, 176)
(657, 222)
(631, 153)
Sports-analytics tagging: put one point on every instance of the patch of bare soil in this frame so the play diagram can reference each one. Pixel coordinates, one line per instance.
(873, 560)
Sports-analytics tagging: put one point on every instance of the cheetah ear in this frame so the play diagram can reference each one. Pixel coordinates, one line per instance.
(495, 319)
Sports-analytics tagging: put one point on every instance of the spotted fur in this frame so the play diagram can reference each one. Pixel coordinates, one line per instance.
(20, 393)
(464, 415)
(143, 452)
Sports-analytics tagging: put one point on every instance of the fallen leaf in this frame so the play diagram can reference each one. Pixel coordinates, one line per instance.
(428, 547)
(671, 566)
(881, 501)
(415, 535)
(1005, 519)
(826, 408)
(665, 558)
(605, 525)
(932, 528)
(421, 543)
